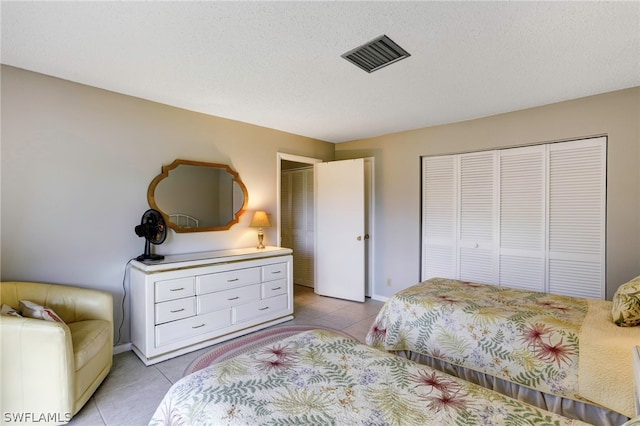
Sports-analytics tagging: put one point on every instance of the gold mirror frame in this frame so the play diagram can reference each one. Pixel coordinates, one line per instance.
(151, 196)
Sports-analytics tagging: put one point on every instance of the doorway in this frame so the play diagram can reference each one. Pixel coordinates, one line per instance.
(285, 161)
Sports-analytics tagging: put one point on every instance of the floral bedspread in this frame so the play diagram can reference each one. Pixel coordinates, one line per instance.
(525, 337)
(322, 378)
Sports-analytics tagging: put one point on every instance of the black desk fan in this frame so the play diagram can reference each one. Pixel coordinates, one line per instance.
(154, 230)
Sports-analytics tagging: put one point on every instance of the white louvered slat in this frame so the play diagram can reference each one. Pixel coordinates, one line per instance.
(522, 218)
(439, 216)
(297, 200)
(309, 199)
(439, 200)
(522, 199)
(302, 243)
(438, 261)
(476, 265)
(476, 196)
(285, 210)
(524, 272)
(575, 278)
(477, 217)
(299, 245)
(310, 235)
(576, 217)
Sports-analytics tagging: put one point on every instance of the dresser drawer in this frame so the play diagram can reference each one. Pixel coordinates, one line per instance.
(174, 289)
(260, 308)
(275, 271)
(274, 288)
(222, 299)
(175, 309)
(226, 280)
(192, 326)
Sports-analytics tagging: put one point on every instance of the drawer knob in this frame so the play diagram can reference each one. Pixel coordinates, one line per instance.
(233, 298)
(263, 309)
(277, 288)
(177, 310)
(198, 326)
(232, 280)
(276, 272)
(176, 289)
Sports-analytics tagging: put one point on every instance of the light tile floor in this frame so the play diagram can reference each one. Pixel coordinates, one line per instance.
(132, 391)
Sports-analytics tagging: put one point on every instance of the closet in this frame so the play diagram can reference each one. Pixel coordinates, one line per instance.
(530, 217)
(296, 198)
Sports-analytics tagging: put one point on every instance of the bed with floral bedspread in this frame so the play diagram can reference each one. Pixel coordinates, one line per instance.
(322, 378)
(561, 346)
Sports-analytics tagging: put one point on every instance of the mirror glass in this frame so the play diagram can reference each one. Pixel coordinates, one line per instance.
(194, 196)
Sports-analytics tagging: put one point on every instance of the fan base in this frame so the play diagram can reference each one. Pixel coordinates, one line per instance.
(145, 256)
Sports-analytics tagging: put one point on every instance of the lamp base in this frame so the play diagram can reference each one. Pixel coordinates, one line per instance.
(260, 239)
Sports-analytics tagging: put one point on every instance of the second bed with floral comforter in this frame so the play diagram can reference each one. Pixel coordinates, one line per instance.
(551, 343)
(319, 377)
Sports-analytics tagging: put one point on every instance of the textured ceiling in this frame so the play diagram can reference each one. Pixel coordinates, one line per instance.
(278, 64)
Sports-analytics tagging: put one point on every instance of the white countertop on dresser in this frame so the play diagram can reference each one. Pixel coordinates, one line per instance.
(187, 260)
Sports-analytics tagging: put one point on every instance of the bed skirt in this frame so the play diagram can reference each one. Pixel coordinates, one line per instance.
(566, 407)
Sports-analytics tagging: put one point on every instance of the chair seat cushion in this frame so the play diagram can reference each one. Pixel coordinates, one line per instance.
(88, 337)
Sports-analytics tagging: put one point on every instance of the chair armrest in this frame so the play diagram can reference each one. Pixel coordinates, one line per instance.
(37, 366)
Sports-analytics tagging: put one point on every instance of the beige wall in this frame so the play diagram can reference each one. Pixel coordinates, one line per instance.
(76, 163)
(397, 157)
(75, 166)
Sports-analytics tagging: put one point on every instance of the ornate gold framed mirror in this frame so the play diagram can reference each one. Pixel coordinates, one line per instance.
(195, 196)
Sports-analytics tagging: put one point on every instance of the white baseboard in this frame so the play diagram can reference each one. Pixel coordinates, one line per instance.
(380, 298)
(125, 347)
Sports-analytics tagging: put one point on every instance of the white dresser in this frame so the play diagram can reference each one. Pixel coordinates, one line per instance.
(187, 302)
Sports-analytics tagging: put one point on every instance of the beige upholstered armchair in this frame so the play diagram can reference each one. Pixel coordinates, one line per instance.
(50, 369)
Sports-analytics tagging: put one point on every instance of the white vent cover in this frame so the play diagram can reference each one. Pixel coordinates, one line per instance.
(377, 53)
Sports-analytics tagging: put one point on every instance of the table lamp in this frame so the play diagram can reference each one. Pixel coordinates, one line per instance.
(260, 220)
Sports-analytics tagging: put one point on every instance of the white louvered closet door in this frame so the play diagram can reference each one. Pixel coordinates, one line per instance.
(522, 218)
(477, 218)
(302, 225)
(286, 238)
(576, 218)
(309, 264)
(439, 217)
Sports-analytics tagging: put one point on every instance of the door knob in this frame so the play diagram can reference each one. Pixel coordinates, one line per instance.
(359, 238)
(366, 236)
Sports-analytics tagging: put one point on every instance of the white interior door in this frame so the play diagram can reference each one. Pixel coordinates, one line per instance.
(340, 229)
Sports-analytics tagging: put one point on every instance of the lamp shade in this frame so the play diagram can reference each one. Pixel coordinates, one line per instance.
(260, 220)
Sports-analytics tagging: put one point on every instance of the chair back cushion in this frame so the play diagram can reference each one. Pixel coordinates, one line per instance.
(70, 303)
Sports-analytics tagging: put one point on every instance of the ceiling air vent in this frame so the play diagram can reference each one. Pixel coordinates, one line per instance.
(377, 53)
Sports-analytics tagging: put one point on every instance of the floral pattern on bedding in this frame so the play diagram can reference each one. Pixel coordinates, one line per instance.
(322, 378)
(525, 337)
